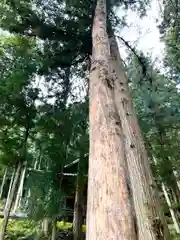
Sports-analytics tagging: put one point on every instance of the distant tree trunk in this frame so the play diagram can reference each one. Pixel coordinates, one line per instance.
(78, 205)
(176, 174)
(150, 220)
(175, 187)
(172, 211)
(78, 215)
(45, 226)
(162, 140)
(109, 214)
(10, 187)
(53, 237)
(174, 214)
(20, 189)
(28, 195)
(172, 180)
(3, 182)
(9, 203)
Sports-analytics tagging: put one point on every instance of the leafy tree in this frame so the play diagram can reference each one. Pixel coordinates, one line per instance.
(169, 30)
(17, 108)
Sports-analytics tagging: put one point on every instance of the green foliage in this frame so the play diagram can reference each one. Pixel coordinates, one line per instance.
(157, 103)
(67, 225)
(169, 29)
(173, 233)
(17, 229)
(67, 132)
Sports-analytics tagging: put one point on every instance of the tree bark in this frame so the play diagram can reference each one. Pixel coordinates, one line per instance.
(78, 205)
(10, 187)
(78, 215)
(53, 237)
(175, 187)
(45, 226)
(3, 182)
(172, 180)
(9, 203)
(150, 220)
(172, 211)
(28, 195)
(174, 214)
(20, 189)
(177, 179)
(162, 140)
(109, 214)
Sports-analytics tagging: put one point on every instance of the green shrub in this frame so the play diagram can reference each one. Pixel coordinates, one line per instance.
(67, 225)
(27, 230)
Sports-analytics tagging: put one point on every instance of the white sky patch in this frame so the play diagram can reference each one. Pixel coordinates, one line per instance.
(144, 33)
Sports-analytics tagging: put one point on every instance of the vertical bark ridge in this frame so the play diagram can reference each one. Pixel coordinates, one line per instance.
(151, 223)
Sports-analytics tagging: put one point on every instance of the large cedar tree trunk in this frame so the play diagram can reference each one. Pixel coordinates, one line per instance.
(150, 220)
(109, 214)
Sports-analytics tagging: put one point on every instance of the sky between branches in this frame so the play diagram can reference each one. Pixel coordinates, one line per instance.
(144, 32)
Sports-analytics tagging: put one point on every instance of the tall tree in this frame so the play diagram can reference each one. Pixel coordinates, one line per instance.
(82, 145)
(17, 108)
(150, 220)
(109, 214)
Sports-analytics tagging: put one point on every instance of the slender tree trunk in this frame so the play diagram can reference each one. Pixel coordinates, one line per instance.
(109, 213)
(172, 212)
(28, 197)
(39, 164)
(20, 189)
(10, 187)
(3, 182)
(150, 219)
(45, 226)
(9, 203)
(78, 215)
(53, 237)
(173, 181)
(162, 140)
(176, 174)
(35, 164)
(175, 188)
(78, 205)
